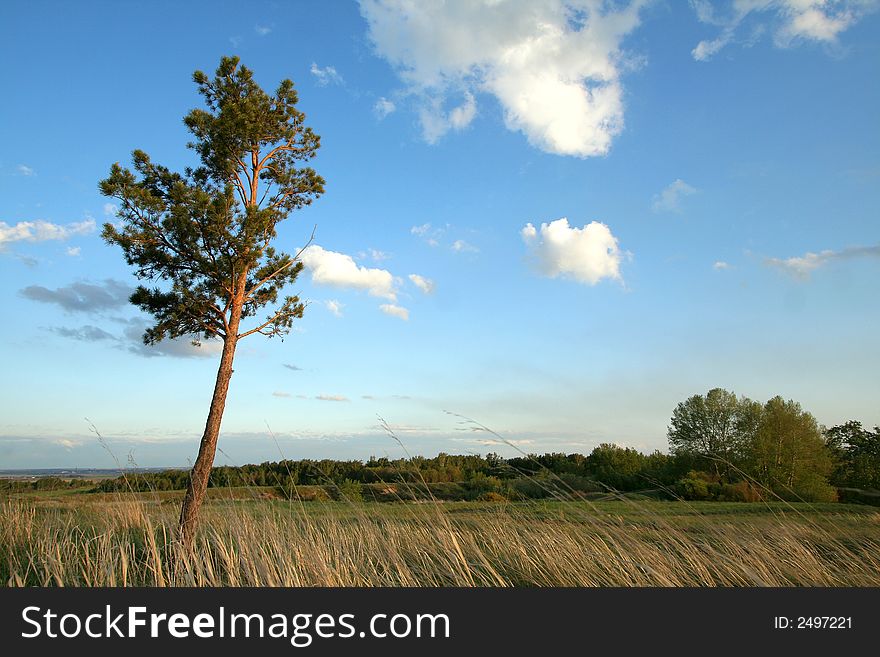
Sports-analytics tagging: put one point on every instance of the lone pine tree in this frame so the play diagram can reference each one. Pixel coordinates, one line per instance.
(204, 237)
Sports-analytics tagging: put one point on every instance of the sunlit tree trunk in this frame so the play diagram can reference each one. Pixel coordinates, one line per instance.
(201, 471)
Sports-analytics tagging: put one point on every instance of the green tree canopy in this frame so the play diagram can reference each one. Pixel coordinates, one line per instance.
(716, 427)
(788, 453)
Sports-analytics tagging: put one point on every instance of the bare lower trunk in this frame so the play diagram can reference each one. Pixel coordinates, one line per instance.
(201, 472)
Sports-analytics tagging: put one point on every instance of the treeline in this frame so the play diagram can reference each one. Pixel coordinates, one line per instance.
(40, 483)
(721, 448)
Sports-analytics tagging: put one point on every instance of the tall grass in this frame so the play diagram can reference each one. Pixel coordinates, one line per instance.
(130, 541)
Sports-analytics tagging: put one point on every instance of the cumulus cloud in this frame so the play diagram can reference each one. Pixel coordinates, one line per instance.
(340, 270)
(426, 285)
(334, 307)
(587, 254)
(789, 21)
(325, 76)
(333, 398)
(553, 65)
(42, 231)
(669, 200)
(81, 296)
(395, 311)
(383, 108)
(802, 266)
(719, 265)
(25, 170)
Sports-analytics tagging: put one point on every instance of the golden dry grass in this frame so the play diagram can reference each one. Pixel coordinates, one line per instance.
(130, 541)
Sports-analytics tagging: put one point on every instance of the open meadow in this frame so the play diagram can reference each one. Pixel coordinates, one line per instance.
(250, 537)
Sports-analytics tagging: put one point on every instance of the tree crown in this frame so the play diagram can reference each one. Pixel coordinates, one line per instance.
(208, 231)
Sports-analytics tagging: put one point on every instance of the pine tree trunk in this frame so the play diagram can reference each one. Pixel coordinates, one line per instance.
(201, 472)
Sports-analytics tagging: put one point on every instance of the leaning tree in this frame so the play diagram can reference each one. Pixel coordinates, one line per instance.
(203, 238)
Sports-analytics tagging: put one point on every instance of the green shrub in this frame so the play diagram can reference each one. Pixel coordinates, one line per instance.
(349, 491)
(692, 488)
(741, 491)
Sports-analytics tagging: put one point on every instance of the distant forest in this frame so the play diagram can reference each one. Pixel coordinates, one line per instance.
(721, 447)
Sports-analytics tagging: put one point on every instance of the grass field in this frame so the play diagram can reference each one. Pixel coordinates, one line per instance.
(249, 538)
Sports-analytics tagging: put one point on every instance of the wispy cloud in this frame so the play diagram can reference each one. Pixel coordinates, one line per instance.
(182, 347)
(325, 76)
(334, 307)
(87, 333)
(395, 311)
(460, 246)
(587, 255)
(25, 170)
(383, 108)
(73, 251)
(332, 398)
(262, 30)
(426, 285)
(669, 200)
(279, 393)
(789, 21)
(291, 367)
(801, 267)
(82, 297)
(719, 265)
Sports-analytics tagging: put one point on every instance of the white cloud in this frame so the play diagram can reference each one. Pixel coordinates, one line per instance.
(334, 398)
(426, 285)
(42, 231)
(110, 209)
(790, 21)
(395, 311)
(554, 65)
(73, 250)
(279, 393)
(325, 76)
(25, 170)
(384, 107)
(421, 231)
(802, 266)
(262, 30)
(334, 307)
(719, 265)
(340, 270)
(235, 41)
(586, 254)
(460, 246)
(669, 200)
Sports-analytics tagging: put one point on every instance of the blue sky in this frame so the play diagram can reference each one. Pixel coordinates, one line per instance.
(556, 218)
